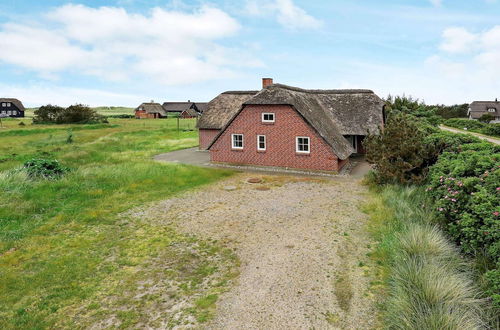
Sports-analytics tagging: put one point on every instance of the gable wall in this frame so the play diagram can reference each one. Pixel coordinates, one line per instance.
(280, 140)
(206, 136)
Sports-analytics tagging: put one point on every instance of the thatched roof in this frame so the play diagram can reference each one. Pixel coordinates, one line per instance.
(16, 102)
(202, 106)
(191, 112)
(332, 113)
(222, 108)
(177, 106)
(151, 108)
(479, 108)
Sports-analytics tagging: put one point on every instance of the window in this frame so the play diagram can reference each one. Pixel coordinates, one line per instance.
(14, 113)
(261, 142)
(302, 145)
(268, 117)
(9, 112)
(491, 110)
(8, 104)
(237, 141)
(4, 104)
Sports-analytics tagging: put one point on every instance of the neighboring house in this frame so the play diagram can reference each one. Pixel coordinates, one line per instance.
(218, 113)
(290, 127)
(480, 108)
(11, 107)
(150, 110)
(181, 109)
(202, 106)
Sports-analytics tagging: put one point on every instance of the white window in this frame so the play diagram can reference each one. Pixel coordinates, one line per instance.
(4, 104)
(14, 113)
(237, 141)
(8, 104)
(261, 142)
(491, 110)
(268, 117)
(303, 144)
(9, 112)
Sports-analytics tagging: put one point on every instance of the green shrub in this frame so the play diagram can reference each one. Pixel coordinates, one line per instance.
(464, 123)
(75, 114)
(22, 124)
(399, 152)
(491, 129)
(486, 118)
(44, 168)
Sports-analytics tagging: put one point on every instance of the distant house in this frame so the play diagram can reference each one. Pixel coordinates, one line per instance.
(11, 107)
(480, 108)
(291, 127)
(181, 109)
(218, 113)
(150, 110)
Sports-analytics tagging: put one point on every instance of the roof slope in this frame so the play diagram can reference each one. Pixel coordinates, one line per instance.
(202, 106)
(177, 106)
(16, 102)
(222, 108)
(319, 107)
(151, 108)
(479, 108)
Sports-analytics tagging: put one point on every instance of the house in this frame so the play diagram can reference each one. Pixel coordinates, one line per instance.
(181, 109)
(291, 127)
(150, 110)
(480, 108)
(218, 113)
(11, 107)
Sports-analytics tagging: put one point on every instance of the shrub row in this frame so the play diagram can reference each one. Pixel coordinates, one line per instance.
(462, 175)
(75, 114)
(492, 129)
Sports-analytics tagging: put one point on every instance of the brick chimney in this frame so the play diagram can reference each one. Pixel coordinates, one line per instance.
(266, 82)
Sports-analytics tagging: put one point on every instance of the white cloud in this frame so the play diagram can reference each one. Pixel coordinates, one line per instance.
(171, 47)
(458, 40)
(436, 3)
(285, 12)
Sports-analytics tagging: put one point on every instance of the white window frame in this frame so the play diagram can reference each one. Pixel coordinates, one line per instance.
(233, 140)
(8, 104)
(14, 112)
(4, 104)
(297, 145)
(268, 121)
(492, 110)
(258, 143)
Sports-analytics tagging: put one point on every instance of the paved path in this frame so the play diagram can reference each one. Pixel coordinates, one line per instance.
(484, 137)
(193, 156)
(302, 244)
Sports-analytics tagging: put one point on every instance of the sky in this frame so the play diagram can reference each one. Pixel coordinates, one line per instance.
(125, 52)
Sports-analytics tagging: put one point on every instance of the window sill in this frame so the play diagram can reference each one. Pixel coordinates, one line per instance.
(302, 153)
(237, 149)
(261, 151)
(267, 123)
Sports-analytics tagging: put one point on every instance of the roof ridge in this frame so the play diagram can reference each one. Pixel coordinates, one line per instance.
(240, 92)
(323, 91)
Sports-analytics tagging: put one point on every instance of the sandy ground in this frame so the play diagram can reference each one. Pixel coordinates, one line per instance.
(302, 244)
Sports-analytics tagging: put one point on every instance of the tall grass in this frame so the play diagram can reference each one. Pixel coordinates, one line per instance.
(429, 285)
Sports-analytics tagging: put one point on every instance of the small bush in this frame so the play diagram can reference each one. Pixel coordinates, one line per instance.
(44, 168)
(22, 124)
(491, 129)
(486, 118)
(75, 114)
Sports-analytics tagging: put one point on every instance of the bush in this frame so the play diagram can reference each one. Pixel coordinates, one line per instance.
(75, 114)
(491, 129)
(399, 152)
(464, 123)
(44, 168)
(486, 118)
(22, 124)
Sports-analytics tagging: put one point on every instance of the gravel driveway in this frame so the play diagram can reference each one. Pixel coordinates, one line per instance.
(302, 247)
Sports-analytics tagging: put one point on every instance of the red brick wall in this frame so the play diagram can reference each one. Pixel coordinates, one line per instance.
(143, 114)
(280, 141)
(206, 136)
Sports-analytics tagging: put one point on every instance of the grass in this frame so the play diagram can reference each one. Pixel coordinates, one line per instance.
(69, 255)
(101, 110)
(428, 284)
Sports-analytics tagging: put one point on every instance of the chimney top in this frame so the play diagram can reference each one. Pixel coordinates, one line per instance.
(152, 101)
(189, 101)
(266, 82)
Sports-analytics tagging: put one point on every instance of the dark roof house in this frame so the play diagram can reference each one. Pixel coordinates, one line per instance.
(11, 107)
(480, 108)
(292, 127)
(181, 108)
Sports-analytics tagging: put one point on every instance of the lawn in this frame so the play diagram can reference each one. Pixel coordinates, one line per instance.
(105, 111)
(70, 254)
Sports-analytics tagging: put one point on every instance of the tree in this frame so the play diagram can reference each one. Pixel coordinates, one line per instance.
(486, 118)
(47, 114)
(399, 152)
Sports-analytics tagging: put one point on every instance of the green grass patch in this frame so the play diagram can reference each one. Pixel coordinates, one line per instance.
(67, 255)
(427, 284)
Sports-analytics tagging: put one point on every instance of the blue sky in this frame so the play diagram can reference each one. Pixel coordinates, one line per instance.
(124, 52)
